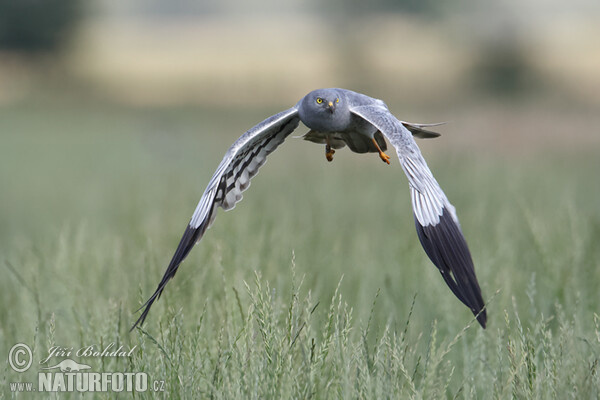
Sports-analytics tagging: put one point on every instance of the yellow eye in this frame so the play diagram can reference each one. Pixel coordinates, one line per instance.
(319, 100)
(337, 100)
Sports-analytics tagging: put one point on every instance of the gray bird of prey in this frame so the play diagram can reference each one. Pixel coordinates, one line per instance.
(338, 118)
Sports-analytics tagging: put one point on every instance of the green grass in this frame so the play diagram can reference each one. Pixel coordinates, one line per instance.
(315, 286)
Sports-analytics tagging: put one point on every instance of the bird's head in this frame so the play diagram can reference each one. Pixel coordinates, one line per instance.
(324, 107)
(324, 100)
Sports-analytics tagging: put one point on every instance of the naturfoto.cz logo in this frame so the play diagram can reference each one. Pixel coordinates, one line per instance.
(69, 375)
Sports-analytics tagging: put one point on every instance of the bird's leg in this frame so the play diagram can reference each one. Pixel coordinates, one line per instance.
(329, 152)
(384, 157)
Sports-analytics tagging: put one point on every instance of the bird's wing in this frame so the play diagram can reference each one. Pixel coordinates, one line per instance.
(435, 218)
(232, 177)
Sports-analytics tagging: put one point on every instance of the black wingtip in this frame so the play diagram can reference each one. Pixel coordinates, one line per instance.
(142, 317)
(482, 318)
(445, 245)
(189, 238)
(146, 306)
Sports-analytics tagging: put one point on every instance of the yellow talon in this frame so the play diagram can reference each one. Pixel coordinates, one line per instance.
(384, 157)
(329, 152)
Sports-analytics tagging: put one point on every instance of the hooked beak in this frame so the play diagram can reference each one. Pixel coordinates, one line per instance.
(331, 107)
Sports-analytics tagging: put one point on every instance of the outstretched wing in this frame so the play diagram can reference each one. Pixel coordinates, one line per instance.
(232, 177)
(435, 218)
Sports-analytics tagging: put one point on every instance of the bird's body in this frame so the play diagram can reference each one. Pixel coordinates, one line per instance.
(339, 127)
(339, 117)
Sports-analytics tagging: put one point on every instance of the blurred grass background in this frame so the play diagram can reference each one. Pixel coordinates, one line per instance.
(113, 120)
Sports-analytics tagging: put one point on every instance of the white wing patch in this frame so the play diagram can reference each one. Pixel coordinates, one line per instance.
(426, 211)
(428, 199)
(428, 202)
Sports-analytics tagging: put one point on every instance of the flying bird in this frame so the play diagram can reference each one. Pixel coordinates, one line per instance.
(338, 118)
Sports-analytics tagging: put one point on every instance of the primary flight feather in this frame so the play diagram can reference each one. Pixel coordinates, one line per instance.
(338, 118)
